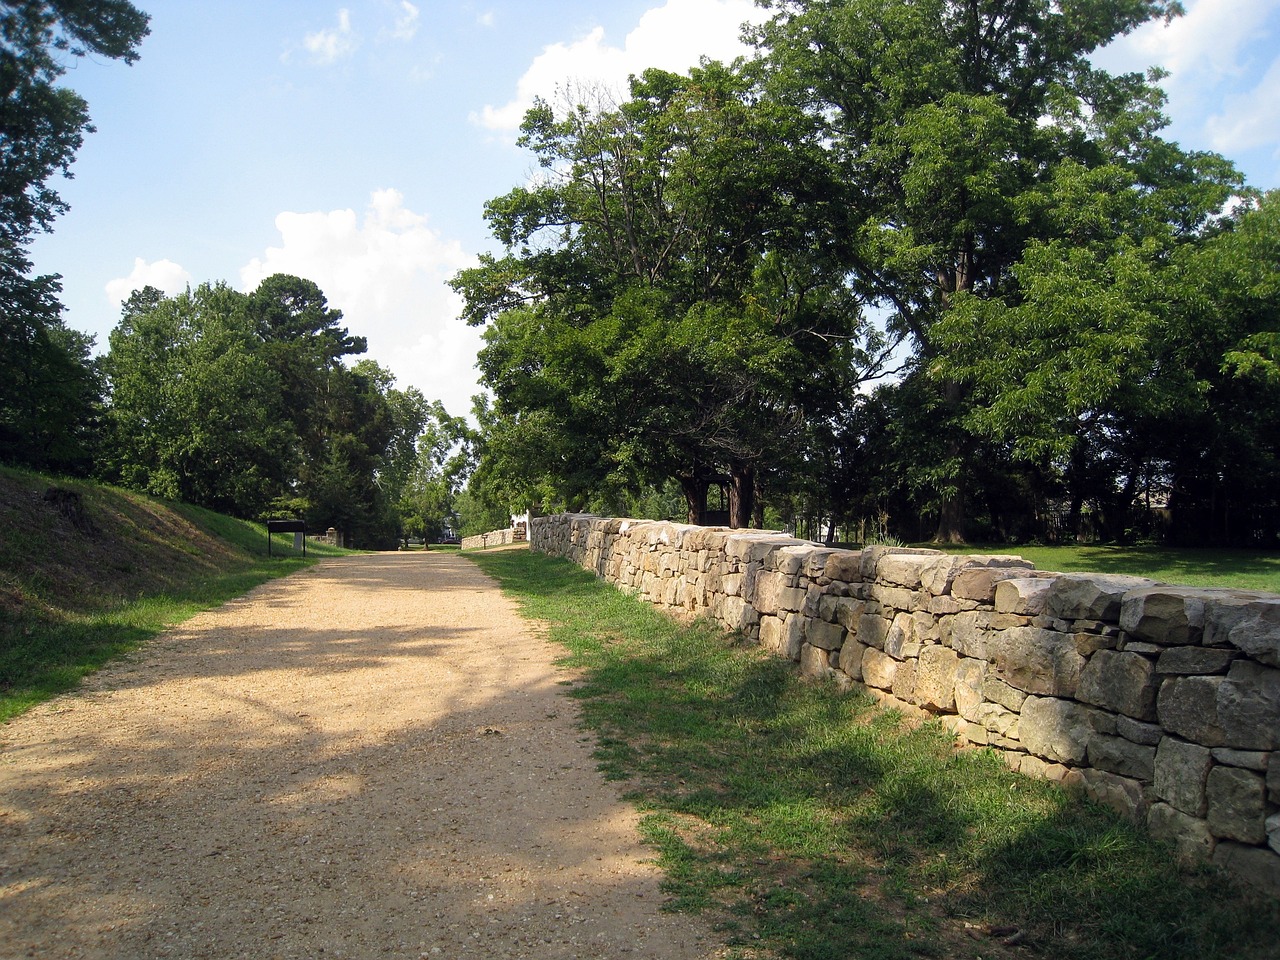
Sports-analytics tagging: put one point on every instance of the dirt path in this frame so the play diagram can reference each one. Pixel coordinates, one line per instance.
(371, 759)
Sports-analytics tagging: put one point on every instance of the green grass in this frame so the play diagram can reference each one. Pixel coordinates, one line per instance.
(73, 599)
(812, 825)
(1236, 569)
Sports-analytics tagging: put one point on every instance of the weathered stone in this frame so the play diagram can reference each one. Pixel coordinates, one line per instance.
(1189, 661)
(736, 614)
(1189, 835)
(1273, 832)
(936, 678)
(1087, 644)
(791, 599)
(791, 560)
(871, 557)
(1188, 706)
(979, 583)
(1237, 805)
(1120, 756)
(1087, 596)
(1273, 780)
(768, 586)
(904, 681)
(902, 569)
(968, 686)
(878, 669)
(848, 612)
(944, 606)
(814, 663)
(731, 584)
(782, 635)
(826, 636)
(851, 655)
(1260, 867)
(997, 691)
(1135, 731)
(998, 720)
(1123, 682)
(1248, 705)
(1023, 595)
(872, 629)
(968, 637)
(1056, 729)
(901, 641)
(896, 598)
(812, 601)
(1181, 772)
(1165, 615)
(1248, 621)
(844, 565)
(1035, 660)
(1249, 759)
(1122, 794)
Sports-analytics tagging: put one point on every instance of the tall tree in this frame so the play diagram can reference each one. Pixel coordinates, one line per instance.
(961, 126)
(48, 389)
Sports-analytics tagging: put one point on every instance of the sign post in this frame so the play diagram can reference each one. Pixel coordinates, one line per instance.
(298, 527)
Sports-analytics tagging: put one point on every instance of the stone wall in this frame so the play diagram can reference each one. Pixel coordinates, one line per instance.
(1161, 701)
(495, 538)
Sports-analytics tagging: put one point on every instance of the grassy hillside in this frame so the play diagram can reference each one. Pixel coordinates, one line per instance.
(89, 572)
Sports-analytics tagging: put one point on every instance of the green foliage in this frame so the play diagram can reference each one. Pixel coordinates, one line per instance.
(811, 824)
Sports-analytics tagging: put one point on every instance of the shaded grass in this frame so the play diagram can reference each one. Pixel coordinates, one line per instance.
(75, 595)
(1235, 569)
(813, 825)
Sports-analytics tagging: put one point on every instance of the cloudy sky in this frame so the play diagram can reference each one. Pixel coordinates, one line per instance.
(356, 142)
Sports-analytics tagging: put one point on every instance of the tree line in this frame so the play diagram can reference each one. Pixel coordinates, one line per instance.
(916, 268)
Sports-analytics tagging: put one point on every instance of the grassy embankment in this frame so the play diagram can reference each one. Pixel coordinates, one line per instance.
(812, 825)
(82, 584)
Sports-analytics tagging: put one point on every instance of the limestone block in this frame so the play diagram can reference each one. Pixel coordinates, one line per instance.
(848, 612)
(791, 599)
(1181, 772)
(901, 641)
(791, 636)
(736, 614)
(902, 569)
(771, 634)
(1147, 734)
(1188, 706)
(872, 629)
(1088, 596)
(815, 562)
(1249, 759)
(997, 691)
(1273, 780)
(968, 687)
(825, 636)
(814, 663)
(969, 636)
(1188, 661)
(1036, 660)
(1236, 805)
(768, 586)
(871, 557)
(1122, 794)
(878, 669)
(845, 565)
(812, 600)
(1248, 705)
(1273, 832)
(792, 560)
(943, 606)
(1249, 622)
(1165, 615)
(1189, 835)
(1122, 682)
(1087, 644)
(827, 607)
(1023, 595)
(904, 681)
(936, 574)
(936, 672)
(1120, 756)
(979, 583)
(731, 584)
(850, 661)
(1258, 866)
(998, 720)
(1056, 729)
(896, 598)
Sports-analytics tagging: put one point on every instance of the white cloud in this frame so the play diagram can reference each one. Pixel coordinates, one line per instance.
(486, 19)
(407, 23)
(165, 275)
(387, 270)
(1250, 119)
(329, 46)
(672, 37)
(1206, 43)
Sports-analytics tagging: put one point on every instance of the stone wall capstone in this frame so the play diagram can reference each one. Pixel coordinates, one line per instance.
(1160, 701)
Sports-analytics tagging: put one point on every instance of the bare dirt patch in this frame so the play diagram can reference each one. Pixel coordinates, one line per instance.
(373, 758)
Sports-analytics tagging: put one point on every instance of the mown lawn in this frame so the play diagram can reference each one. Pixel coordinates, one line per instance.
(812, 825)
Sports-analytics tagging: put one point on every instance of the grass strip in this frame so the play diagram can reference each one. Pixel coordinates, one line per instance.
(810, 824)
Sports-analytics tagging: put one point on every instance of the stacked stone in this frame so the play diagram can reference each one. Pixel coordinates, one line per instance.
(1163, 702)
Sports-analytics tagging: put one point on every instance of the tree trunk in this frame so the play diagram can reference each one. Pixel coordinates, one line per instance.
(741, 496)
(695, 498)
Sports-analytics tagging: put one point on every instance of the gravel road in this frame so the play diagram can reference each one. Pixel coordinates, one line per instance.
(372, 758)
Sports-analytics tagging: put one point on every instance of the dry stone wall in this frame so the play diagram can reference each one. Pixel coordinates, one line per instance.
(1161, 701)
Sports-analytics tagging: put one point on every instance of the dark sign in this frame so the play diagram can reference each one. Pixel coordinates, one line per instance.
(287, 526)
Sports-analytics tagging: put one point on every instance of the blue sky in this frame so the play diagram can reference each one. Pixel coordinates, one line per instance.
(356, 142)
